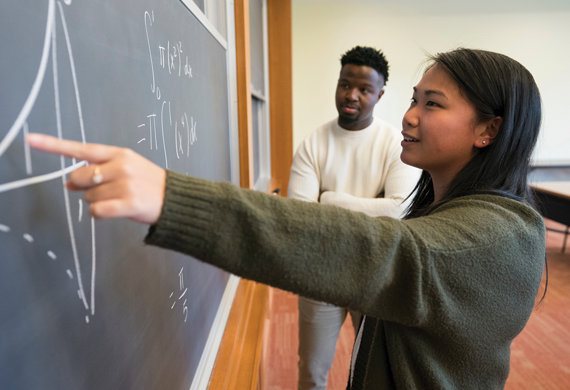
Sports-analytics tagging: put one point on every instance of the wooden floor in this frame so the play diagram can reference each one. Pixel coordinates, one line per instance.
(540, 356)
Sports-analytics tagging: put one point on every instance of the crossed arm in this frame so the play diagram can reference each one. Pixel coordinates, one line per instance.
(306, 184)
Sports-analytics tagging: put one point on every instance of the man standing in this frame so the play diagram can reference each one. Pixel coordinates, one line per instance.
(353, 162)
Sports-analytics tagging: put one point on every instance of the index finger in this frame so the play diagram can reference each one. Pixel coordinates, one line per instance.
(92, 153)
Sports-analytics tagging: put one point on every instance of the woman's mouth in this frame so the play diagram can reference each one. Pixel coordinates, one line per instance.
(408, 139)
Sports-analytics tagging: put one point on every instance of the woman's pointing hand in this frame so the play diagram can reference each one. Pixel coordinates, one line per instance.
(118, 183)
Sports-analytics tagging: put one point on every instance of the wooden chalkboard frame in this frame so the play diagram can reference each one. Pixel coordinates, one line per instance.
(203, 373)
(241, 363)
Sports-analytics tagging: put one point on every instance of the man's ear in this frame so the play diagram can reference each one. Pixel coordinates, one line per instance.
(380, 94)
(489, 132)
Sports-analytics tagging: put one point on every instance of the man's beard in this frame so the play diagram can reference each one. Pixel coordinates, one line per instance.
(347, 121)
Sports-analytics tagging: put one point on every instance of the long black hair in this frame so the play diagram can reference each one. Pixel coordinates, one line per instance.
(497, 86)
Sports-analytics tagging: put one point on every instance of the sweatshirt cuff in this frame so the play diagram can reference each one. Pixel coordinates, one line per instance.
(186, 219)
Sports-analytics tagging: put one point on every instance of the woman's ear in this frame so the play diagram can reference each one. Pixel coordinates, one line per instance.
(489, 132)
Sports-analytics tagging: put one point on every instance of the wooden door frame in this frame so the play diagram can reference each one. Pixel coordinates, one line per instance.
(241, 350)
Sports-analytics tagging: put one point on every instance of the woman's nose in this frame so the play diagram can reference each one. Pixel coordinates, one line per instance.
(410, 118)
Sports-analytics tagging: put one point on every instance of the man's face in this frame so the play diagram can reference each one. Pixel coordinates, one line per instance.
(358, 90)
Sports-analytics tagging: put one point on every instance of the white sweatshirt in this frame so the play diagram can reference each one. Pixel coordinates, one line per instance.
(358, 170)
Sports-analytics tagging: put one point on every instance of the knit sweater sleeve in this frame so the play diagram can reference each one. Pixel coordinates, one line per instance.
(402, 271)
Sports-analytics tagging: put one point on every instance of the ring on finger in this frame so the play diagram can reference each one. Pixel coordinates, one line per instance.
(97, 176)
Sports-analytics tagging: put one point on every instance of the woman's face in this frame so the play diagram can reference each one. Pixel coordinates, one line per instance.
(440, 127)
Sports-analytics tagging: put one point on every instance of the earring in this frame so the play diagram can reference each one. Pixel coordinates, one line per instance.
(484, 142)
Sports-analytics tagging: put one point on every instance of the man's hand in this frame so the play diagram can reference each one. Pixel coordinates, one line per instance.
(118, 183)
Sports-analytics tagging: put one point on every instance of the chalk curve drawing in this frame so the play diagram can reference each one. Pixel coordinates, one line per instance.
(20, 124)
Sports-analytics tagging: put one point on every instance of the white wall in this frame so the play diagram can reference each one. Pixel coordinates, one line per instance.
(538, 36)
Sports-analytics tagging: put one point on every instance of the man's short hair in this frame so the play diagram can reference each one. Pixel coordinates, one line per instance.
(367, 56)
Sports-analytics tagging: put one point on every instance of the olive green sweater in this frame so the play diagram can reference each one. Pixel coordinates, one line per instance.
(449, 291)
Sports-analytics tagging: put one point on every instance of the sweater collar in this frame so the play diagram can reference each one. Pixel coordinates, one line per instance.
(354, 133)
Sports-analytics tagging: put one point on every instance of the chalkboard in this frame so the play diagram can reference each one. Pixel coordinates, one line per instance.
(85, 304)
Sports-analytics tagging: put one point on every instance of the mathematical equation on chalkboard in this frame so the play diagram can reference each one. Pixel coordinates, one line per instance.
(172, 59)
(74, 215)
(183, 290)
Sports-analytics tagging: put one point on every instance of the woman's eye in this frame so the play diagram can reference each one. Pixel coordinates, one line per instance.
(413, 100)
(432, 104)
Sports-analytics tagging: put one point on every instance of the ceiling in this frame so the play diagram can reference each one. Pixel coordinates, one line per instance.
(455, 6)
